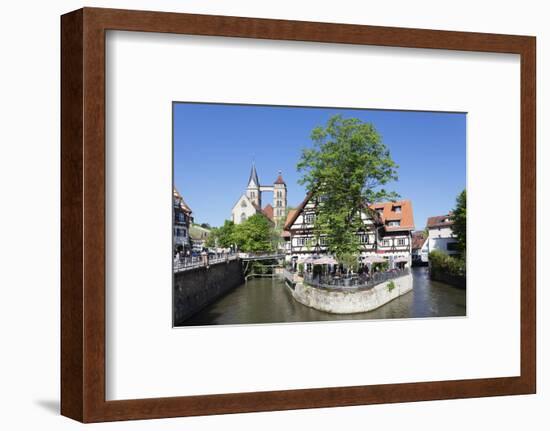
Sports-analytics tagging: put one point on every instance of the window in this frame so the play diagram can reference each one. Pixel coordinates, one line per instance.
(243, 204)
(309, 218)
(300, 241)
(394, 223)
(364, 238)
(386, 242)
(452, 246)
(396, 208)
(323, 240)
(279, 204)
(243, 217)
(401, 241)
(279, 194)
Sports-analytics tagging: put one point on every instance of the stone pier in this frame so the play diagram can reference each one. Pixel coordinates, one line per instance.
(344, 301)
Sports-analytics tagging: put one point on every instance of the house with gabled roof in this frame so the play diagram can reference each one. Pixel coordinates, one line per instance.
(386, 232)
(419, 248)
(182, 220)
(441, 236)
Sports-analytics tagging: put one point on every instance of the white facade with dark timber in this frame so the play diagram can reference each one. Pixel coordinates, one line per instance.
(386, 233)
(182, 220)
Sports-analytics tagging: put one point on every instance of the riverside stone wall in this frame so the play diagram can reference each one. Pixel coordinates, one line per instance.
(352, 300)
(453, 280)
(199, 287)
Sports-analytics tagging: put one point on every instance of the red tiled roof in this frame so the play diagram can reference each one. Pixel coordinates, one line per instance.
(183, 204)
(268, 211)
(388, 213)
(418, 239)
(439, 221)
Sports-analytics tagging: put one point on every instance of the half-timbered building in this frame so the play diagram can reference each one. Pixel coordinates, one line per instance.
(182, 220)
(386, 232)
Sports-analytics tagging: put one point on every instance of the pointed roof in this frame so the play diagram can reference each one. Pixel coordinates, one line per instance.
(387, 213)
(279, 179)
(253, 180)
(418, 239)
(183, 205)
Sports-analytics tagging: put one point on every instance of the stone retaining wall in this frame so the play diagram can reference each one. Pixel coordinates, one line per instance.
(453, 280)
(196, 288)
(352, 300)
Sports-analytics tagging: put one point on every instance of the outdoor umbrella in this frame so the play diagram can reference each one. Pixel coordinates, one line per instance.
(375, 259)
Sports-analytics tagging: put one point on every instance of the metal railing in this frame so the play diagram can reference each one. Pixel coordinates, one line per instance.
(288, 274)
(186, 263)
(359, 281)
(262, 255)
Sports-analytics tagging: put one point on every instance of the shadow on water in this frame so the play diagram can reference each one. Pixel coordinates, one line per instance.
(269, 301)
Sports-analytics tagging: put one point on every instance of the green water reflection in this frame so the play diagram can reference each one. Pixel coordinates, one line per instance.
(268, 301)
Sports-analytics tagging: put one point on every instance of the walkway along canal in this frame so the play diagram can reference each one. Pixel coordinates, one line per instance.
(269, 301)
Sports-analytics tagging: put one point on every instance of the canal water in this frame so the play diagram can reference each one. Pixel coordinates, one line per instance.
(269, 301)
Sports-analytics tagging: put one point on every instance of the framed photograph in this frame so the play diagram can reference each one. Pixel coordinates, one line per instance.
(352, 207)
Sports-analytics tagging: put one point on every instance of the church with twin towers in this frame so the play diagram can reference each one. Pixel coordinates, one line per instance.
(250, 202)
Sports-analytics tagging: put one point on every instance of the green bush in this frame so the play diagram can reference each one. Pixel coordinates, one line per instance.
(380, 266)
(440, 262)
(391, 286)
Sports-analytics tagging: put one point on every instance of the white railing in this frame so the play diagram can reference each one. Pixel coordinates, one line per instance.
(186, 263)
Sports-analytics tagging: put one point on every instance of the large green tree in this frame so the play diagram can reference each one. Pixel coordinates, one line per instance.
(459, 221)
(346, 169)
(253, 235)
(222, 236)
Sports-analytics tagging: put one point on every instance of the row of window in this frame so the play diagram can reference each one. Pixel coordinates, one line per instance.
(363, 238)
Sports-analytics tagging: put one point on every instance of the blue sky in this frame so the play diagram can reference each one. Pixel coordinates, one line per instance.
(214, 146)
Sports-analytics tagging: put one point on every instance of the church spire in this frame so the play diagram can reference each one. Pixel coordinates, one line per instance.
(253, 181)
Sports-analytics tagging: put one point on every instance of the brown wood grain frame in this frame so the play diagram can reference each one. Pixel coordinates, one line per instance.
(83, 214)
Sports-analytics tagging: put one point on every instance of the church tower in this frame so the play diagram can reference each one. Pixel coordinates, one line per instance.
(279, 200)
(253, 189)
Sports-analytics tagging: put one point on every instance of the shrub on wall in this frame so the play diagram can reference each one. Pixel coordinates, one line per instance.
(440, 262)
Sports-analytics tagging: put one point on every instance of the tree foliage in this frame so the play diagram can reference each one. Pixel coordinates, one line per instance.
(346, 169)
(459, 221)
(222, 236)
(440, 262)
(254, 234)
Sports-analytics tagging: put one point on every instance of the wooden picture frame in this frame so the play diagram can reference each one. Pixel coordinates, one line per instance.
(83, 214)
